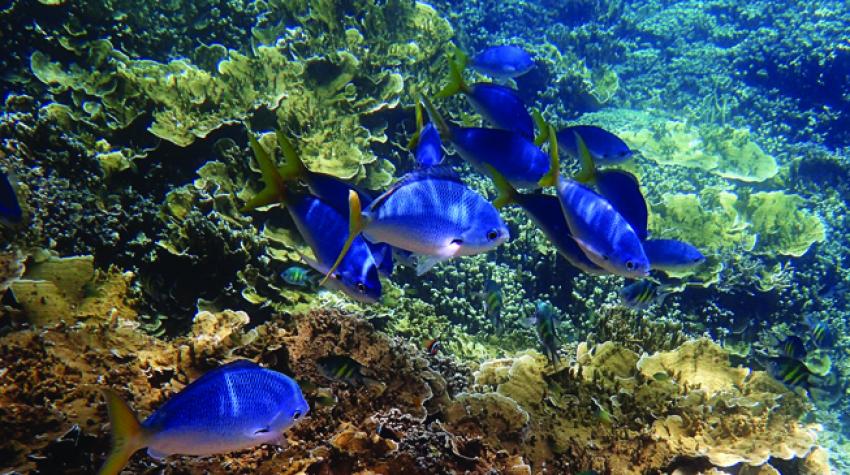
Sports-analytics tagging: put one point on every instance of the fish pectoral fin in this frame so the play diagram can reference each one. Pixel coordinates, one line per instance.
(262, 430)
(156, 454)
(426, 264)
(590, 251)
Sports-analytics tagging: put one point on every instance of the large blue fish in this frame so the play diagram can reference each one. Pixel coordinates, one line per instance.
(10, 209)
(545, 211)
(606, 237)
(502, 62)
(672, 255)
(329, 188)
(325, 229)
(605, 147)
(622, 190)
(513, 155)
(433, 213)
(234, 407)
(499, 105)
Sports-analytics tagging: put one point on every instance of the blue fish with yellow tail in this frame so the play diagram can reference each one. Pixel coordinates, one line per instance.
(502, 62)
(329, 188)
(499, 105)
(545, 211)
(426, 143)
(513, 155)
(430, 212)
(234, 407)
(324, 228)
(10, 208)
(672, 255)
(605, 148)
(605, 236)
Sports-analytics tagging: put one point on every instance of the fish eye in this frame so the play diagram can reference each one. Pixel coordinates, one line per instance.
(492, 235)
(604, 257)
(296, 414)
(361, 287)
(630, 265)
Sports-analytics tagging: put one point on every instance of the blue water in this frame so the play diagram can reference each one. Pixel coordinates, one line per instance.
(124, 137)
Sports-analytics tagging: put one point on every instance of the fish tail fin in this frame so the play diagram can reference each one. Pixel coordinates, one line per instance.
(588, 168)
(128, 436)
(542, 127)
(436, 118)
(551, 177)
(455, 83)
(293, 167)
(275, 189)
(420, 122)
(506, 193)
(355, 227)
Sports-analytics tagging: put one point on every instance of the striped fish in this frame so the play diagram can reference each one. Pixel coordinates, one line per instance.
(822, 335)
(341, 368)
(793, 373)
(642, 294)
(493, 303)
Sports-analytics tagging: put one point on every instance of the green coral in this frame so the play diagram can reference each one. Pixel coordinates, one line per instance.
(334, 98)
(782, 226)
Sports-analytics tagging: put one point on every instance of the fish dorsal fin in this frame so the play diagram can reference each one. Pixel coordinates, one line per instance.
(238, 364)
(433, 173)
(622, 191)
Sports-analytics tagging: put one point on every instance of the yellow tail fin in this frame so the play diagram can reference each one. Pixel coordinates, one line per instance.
(420, 122)
(128, 436)
(274, 191)
(436, 118)
(542, 127)
(507, 193)
(455, 83)
(588, 168)
(355, 227)
(293, 167)
(551, 177)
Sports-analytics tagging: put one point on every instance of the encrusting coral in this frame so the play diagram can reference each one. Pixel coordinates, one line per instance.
(615, 411)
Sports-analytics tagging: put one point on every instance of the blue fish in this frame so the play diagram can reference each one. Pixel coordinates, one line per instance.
(502, 62)
(331, 190)
(822, 335)
(234, 407)
(499, 105)
(544, 323)
(642, 294)
(672, 255)
(605, 147)
(297, 276)
(545, 211)
(605, 236)
(324, 228)
(513, 155)
(430, 212)
(10, 209)
(429, 151)
(622, 190)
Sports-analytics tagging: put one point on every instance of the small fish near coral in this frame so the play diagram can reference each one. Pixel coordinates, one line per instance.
(297, 276)
(233, 407)
(643, 294)
(544, 322)
(433, 346)
(10, 208)
(492, 296)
